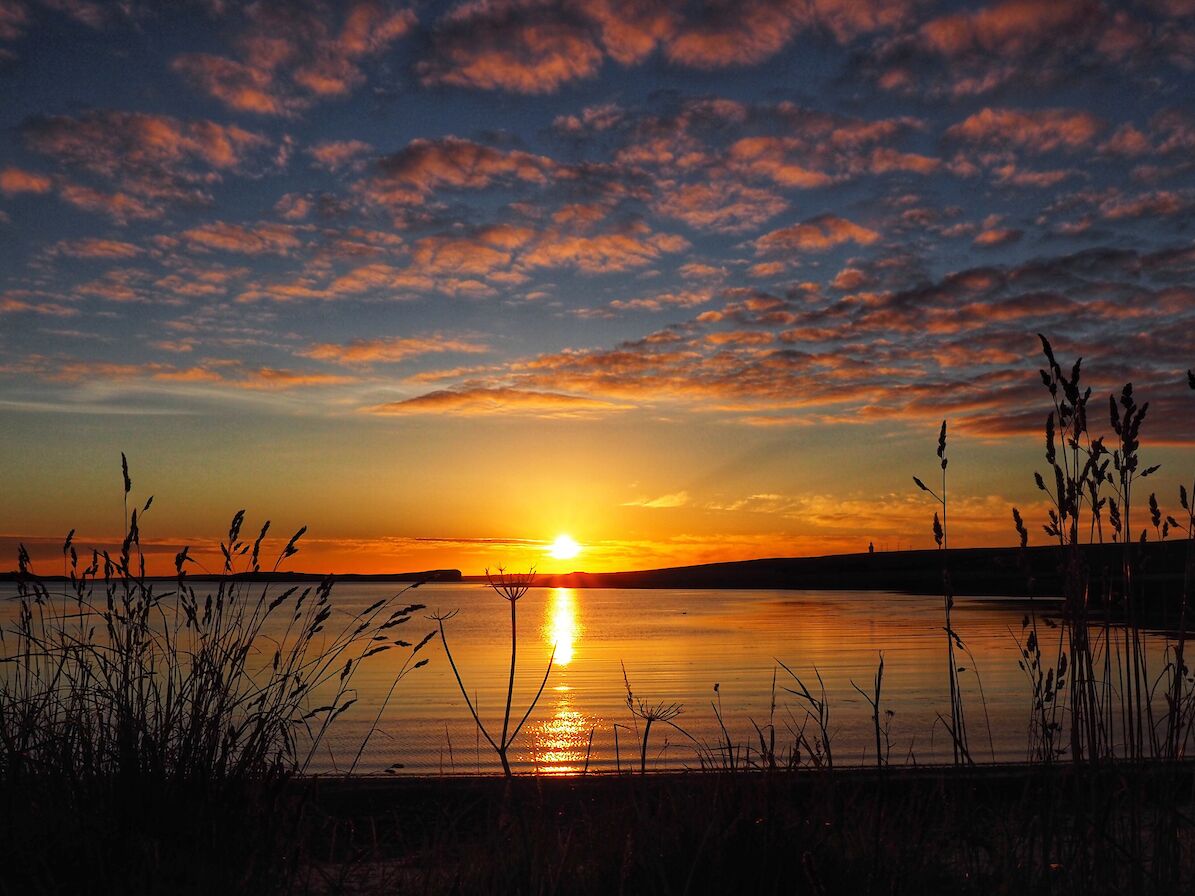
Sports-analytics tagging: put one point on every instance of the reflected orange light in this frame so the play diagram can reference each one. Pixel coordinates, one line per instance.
(562, 742)
(561, 627)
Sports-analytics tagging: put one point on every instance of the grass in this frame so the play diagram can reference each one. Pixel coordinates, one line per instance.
(152, 740)
(149, 734)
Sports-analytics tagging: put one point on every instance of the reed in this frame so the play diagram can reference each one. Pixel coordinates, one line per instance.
(148, 722)
(957, 726)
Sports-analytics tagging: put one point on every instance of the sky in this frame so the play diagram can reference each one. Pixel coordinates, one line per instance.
(686, 281)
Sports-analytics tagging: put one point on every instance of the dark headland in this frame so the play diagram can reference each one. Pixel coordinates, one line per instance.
(1009, 572)
(1006, 572)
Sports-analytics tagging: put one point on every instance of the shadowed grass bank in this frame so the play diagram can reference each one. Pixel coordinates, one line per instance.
(1005, 829)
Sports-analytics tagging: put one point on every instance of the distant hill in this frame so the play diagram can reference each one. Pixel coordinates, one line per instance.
(1010, 572)
(1005, 572)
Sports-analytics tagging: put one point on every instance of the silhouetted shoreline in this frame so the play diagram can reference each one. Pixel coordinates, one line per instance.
(994, 572)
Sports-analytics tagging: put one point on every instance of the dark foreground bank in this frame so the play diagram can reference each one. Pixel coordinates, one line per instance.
(1115, 829)
(992, 830)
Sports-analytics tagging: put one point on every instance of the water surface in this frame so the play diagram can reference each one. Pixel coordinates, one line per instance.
(699, 649)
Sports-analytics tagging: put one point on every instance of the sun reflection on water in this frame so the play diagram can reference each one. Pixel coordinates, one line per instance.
(562, 742)
(561, 627)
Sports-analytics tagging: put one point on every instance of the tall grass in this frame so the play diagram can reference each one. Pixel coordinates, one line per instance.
(149, 723)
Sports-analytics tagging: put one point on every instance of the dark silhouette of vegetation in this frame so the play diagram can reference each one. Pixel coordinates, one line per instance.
(511, 587)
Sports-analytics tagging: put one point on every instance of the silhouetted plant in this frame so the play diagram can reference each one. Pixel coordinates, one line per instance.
(882, 730)
(957, 726)
(817, 711)
(665, 713)
(130, 709)
(511, 587)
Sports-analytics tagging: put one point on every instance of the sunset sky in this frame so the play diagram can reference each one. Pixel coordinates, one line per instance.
(685, 281)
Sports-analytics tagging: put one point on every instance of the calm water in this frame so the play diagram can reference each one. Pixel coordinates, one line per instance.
(676, 645)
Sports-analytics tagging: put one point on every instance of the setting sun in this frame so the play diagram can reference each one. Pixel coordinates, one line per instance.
(564, 548)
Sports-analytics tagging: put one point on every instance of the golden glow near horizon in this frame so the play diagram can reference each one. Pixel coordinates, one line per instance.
(561, 627)
(564, 547)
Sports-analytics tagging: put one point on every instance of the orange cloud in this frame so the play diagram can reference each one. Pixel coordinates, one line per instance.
(750, 31)
(510, 47)
(337, 154)
(426, 165)
(393, 350)
(121, 207)
(275, 379)
(151, 161)
(1158, 204)
(735, 34)
(17, 180)
(1010, 27)
(633, 245)
(479, 401)
(93, 247)
(292, 55)
(816, 235)
(719, 205)
(11, 304)
(1036, 130)
(780, 159)
(256, 239)
(996, 236)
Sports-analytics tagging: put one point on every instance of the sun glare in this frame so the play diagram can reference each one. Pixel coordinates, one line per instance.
(564, 548)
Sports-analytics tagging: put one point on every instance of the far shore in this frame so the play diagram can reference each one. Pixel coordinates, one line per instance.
(994, 572)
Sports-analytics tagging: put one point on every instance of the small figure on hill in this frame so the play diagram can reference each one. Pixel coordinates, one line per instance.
(871, 547)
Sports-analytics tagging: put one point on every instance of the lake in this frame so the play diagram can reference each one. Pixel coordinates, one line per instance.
(676, 646)
(700, 649)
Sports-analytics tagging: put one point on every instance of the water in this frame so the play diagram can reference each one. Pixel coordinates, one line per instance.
(676, 645)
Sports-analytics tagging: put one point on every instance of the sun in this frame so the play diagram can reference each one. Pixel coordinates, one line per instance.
(564, 548)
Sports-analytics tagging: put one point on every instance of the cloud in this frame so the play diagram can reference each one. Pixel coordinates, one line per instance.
(996, 236)
(14, 17)
(816, 235)
(293, 54)
(721, 205)
(264, 238)
(1156, 204)
(17, 180)
(390, 350)
(959, 346)
(269, 378)
(676, 499)
(1011, 27)
(522, 47)
(11, 303)
(1022, 43)
(630, 245)
(423, 166)
(485, 401)
(96, 248)
(537, 46)
(748, 32)
(1037, 131)
(143, 163)
(121, 207)
(336, 154)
